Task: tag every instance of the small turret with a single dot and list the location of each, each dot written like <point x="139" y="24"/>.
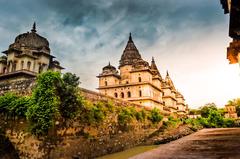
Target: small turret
<point x="109" y="69"/>
<point x="34" y="28"/>
<point x="154" y="68"/>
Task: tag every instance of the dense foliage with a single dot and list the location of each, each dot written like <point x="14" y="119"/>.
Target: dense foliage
<point x="205" y="110"/>
<point x="44" y="103"/>
<point x="155" y="115"/>
<point x="70" y="100"/>
<point x="211" y="118"/>
<point x="13" y="105"/>
<point x="56" y="97"/>
<point x="125" y="116"/>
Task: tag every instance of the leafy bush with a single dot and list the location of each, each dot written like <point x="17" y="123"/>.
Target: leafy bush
<point x="228" y="123"/>
<point x="141" y="115"/>
<point x="44" y="103"/>
<point x="13" y="105"/>
<point x="155" y="116"/>
<point x="92" y="114"/>
<point x="5" y="101"/>
<point x="125" y="116"/>
<point x="19" y="106"/>
<point x="215" y="119"/>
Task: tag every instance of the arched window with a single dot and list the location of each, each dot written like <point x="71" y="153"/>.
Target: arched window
<point x="127" y="82"/>
<point x="40" y="68"/>
<point x="14" y="65"/>
<point x="106" y="83"/>
<point x="8" y="66"/>
<point x="29" y="65"/>
<point x="140" y="93"/>
<point x="4" y="70"/>
<point x="116" y="95"/>
<point x="22" y="64"/>
<point x="129" y="94"/>
<point x="139" y="79"/>
<point x="122" y="95"/>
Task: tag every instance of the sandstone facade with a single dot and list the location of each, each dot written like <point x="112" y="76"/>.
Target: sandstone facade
<point x="140" y="83"/>
<point x="26" y="57"/>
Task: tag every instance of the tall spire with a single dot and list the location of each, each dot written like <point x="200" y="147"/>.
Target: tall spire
<point x="34" y="28"/>
<point x="167" y="73"/>
<point x="154" y="68"/>
<point x="130" y="37"/>
<point x="153" y="61"/>
<point x="130" y="54"/>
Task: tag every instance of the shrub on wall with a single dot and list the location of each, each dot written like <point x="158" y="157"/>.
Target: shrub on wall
<point x="13" y="105"/>
<point x="141" y="115"/>
<point x="125" y="116"/>
<point x="44" y="103"/>
<point x="155" y="116"/>
<point x="5" y="102"/>
<point x="93" y="113"/>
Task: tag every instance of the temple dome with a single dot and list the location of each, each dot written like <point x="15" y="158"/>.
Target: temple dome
<point x="131" y="54"/>
<point x="109" y="69"/>
<point x="30" y="40"/>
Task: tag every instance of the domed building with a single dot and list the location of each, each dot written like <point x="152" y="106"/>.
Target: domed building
<point x="26" y="57"/>
<point x="140" y="83"/>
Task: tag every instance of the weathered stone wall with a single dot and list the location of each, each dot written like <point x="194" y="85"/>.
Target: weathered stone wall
<point x="74" y="139"/>
<point x="94" y="96"/>
<point x="23" y="87"/>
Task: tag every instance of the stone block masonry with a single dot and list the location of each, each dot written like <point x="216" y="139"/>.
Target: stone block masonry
<point x="73" y="139"/>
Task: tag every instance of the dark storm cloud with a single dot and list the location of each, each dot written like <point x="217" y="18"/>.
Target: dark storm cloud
<point x="142" y="17"/>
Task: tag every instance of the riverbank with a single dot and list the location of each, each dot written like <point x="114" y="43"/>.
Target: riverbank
<point x="164" y="135"/>
<point x="208" y="143"/>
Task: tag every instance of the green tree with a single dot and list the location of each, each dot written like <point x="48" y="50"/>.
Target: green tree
<point x="44" y="103"/>
<point x="205" y="110"/>
<point x="71" y="101"/>
<point x="215" y="119"/>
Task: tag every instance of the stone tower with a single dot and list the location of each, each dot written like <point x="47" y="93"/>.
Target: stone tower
<point x="137" y="81"/>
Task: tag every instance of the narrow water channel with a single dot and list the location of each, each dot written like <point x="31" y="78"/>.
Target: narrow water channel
<point x="129" y="153"/>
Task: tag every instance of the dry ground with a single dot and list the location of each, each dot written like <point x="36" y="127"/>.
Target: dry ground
<point x="222" y="143"/>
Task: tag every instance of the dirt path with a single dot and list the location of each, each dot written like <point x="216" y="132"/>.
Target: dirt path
<point x="207" y="144"/>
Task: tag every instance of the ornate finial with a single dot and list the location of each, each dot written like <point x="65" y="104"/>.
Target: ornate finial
<point x="167" y="73"/>
<point x="109" y="64"/>
<point x="34" y="28"/>
<point x="153" y="59"/>
<point x="130" y="37"/>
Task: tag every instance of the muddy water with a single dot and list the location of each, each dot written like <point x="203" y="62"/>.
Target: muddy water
<point x="129" y="153"/>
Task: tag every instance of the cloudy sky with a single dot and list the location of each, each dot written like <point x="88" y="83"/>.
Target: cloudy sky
<point x="187" y="37"/>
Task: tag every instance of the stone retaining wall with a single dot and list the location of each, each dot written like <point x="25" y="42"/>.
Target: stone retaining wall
<point x="72" y="139"/>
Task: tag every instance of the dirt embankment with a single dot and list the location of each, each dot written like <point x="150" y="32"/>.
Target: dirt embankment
<point x="165" y="135"/>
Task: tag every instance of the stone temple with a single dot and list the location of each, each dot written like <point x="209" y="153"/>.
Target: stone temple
<point x="141" y="83"/>
<point x="26" y="57"/>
